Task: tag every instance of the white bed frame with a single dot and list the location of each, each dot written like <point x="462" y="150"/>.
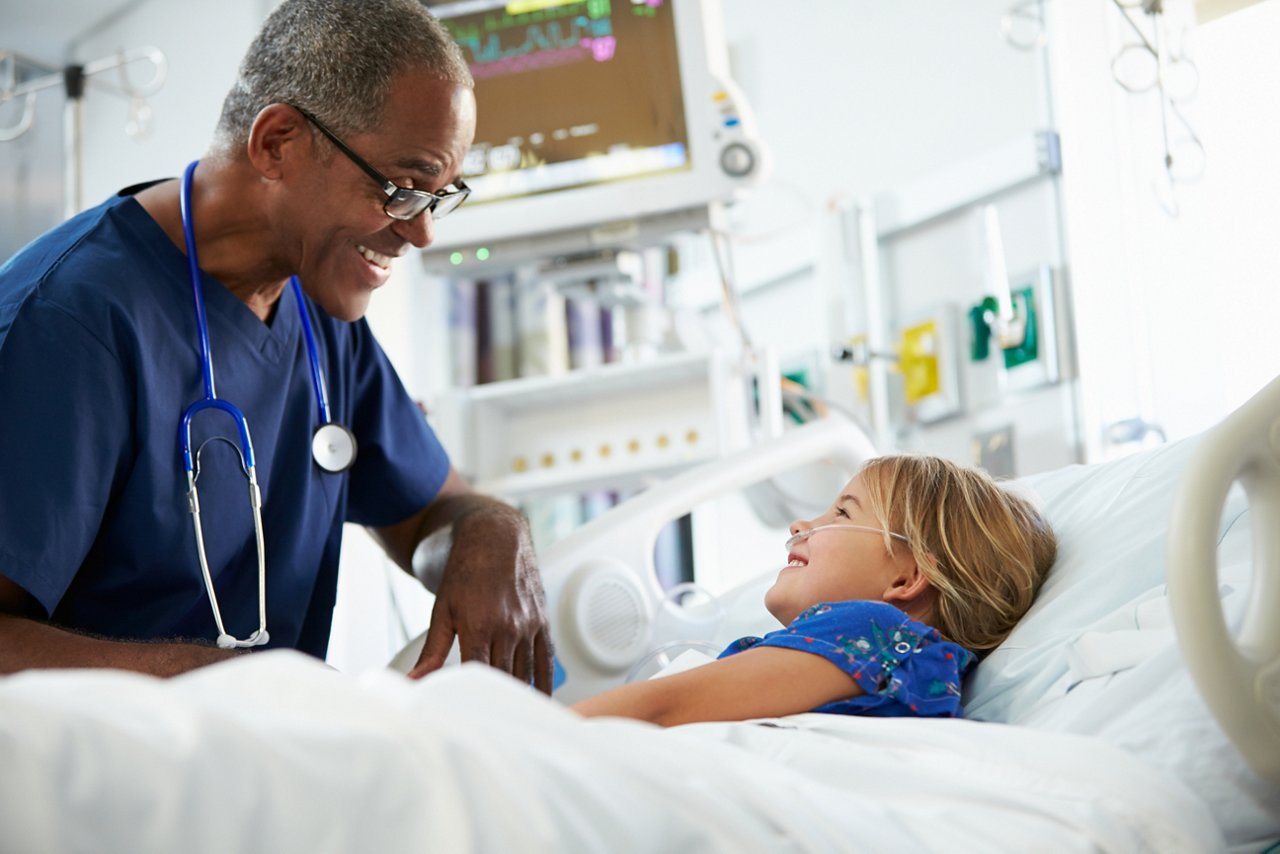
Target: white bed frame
<point x="1239" y="677"/>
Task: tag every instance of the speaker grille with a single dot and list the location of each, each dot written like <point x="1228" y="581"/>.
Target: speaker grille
<point x="616" y="618"/>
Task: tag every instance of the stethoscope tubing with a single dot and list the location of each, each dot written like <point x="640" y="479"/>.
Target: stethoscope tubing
<point x="317" y="378"/>
<point x="211" y="401"/>
<point x="193" y="267"/>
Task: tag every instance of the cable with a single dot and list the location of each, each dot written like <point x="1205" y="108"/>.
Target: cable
<point x="729" y="298"/>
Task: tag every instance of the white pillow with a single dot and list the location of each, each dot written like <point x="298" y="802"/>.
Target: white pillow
<point x="1111" y="520"/>
<point x="1128" y="686"/>
<point x="1096" y="654"/>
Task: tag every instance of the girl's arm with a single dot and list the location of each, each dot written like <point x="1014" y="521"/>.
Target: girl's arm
<point x="764" y="682"/>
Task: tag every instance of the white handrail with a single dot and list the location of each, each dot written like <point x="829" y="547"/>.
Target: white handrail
<point x="1239" y="677"/>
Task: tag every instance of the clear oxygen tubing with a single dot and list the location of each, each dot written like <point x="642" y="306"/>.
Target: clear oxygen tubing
<point x="801" y="536"/>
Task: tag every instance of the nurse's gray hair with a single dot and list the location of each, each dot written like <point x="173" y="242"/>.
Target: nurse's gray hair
<point x="336" y="59"/>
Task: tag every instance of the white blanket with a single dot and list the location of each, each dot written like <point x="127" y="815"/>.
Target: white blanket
<point x="275" y="753"/>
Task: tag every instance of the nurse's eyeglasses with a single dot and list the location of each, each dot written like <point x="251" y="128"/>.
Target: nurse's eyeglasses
<point x="402" y="203"/>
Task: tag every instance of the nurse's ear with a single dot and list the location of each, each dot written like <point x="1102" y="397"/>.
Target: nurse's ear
<point x="279" y="132"/>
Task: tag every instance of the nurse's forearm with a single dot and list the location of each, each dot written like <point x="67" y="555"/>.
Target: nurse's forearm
<point x="434" y="523"/>
<point x="26" y="644"/>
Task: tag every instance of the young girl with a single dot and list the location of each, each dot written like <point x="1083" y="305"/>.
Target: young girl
<point x="919" y="565"/>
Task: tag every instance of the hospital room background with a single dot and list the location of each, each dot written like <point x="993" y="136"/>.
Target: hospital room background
<point x="1019" y="234"/>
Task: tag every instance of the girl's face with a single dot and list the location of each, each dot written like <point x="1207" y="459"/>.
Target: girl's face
<point x="838" y="564"/>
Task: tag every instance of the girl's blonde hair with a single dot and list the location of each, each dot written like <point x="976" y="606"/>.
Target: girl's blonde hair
<point x="984" y="550"/>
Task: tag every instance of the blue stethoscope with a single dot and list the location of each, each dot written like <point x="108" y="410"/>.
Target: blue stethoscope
<point x="332" y="445"/>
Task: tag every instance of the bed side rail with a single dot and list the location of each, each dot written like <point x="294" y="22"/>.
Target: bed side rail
<point x="1238" y="677"/>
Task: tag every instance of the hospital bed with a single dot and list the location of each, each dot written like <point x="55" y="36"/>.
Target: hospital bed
<point x="1134" y="708"/>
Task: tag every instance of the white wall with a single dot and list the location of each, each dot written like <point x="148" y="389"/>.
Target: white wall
<point x="858" y="96"/>
<point x="30" y="174"/>
<point x="1175" y="316"/>
<point x="1213" y="291"/>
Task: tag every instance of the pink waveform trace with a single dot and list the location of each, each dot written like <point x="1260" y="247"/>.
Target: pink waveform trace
<point x="529" y="62"/>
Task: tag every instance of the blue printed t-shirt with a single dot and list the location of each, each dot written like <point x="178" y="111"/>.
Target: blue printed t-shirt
<point x="99" y="358"/>
<point x="905" y="667"/>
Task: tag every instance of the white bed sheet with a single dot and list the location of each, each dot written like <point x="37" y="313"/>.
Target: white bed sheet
<point x="274" y="752"/>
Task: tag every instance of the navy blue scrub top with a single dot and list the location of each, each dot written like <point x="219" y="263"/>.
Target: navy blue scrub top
<point x="99" y="357"/>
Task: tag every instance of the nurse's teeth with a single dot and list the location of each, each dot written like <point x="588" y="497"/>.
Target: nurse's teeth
<point x="372" y="257"/>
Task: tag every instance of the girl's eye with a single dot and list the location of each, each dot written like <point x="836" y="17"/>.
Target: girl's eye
<point x="841" y="512"/>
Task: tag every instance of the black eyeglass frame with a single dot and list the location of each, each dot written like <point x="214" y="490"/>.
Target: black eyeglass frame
<point x="409" y="204"/>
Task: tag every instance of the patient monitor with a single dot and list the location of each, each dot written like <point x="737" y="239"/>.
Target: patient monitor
<point x="600" y="125"/>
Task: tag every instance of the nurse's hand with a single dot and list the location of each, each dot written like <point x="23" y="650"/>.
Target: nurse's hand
<point x="490" y="597"/>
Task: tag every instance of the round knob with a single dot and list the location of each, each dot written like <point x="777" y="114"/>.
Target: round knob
<point x="737" y="159"/>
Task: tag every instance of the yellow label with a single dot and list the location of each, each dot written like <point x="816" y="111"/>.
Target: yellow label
<point x="919" y="361"/>
<point x="861" y="376"/>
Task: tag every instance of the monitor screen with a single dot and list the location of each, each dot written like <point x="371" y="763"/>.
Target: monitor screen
<point x="619" y="113"/>
<point x="596" y="119"/>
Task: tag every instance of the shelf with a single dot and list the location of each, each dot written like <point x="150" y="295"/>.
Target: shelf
<point x="618" y="426"/>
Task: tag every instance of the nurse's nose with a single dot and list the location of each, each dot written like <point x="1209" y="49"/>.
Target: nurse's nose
<point x="419" y="231"/>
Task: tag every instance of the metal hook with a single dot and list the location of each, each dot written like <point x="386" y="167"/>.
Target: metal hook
<point x="1189" y="142"/>
<point x="120" y="61"/>
<point x="9" y="91"/>
<point x="1150" y="79"/>
<point x="138" y="124"/>
<point x="139" y="114"/>
<point x="1157" y="48"/>
<point x="160" y="70"/>
<point x="11" y="77"/>
<point x="1023" y="13"/>
<point x="24" y="123"/>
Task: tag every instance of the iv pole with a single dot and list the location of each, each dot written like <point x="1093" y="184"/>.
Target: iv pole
<point x="73" y="79"/>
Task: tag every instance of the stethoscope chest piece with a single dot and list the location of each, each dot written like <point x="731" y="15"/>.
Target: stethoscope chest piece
<point x="333" y="447"/>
